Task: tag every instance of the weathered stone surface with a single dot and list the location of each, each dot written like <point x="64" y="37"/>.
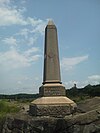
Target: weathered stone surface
<point x="89" y="104"/>
<point x="81" y="123"/>
<point x="50" y="110"/>
<point x="52" y="106"/>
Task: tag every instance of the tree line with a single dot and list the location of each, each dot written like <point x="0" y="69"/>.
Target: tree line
<point x="89" y="90"/>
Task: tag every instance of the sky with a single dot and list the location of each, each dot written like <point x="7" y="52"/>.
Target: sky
<point x="22" y="26"/>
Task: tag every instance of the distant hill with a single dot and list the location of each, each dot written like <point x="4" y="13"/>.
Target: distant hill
<point x="89" y="90"/>
<point x="19" y="96"/>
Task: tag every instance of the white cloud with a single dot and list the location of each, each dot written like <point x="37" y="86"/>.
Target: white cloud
<point x="28" y="37"/>
<point x="10" y="41"/>
<point x="32" y="50"/>
<point x="9" y="16"/>
<point x="34" y="22"/>
<point x="69" y="63"/>
<point x="70" y="84"/>
<point x="34" y="58"/>
<point x="3" y="2"/>
<point x="37" y="78"/>
<point x="94" y="79"/>
<point x="12" y="15"/>
<point x="23" y="79"/>
<point x="79" y="84"/>
<point x="32" y="40"/>
<point x="24" y="32"/>
<point x="19" y="82"/>
<point x="38" y="25"/>
<point x="13" y="59"/>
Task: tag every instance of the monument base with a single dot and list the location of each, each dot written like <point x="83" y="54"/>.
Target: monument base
<point x="52" y="89"/>
<point x="52" y="106"/>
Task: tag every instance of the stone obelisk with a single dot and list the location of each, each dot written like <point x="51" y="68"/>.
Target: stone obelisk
<point x="53" y="100"/>
<point x="52" y="85"/>
<point x="51" y="55"/>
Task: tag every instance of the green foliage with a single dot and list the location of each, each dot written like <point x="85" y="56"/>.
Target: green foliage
<point x="19" y="96"/>
<point x="92" y="90"/>
<point x="79" y="94"/>
<point x="6" y="107"/>
<point x="88" y="90"/>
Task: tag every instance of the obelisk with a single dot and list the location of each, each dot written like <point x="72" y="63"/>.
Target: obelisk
<point x="53" y="100"/>
<point x="52" y="85"/>
<point x="51" y="55"/>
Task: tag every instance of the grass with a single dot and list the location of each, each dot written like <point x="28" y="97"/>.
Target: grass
<point x="6" y="107"/>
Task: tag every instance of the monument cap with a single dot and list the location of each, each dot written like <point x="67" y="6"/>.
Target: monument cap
<point x="50" y="22"/>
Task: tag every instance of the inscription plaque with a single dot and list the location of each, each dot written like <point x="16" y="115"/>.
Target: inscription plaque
<point x="52" y="91"/>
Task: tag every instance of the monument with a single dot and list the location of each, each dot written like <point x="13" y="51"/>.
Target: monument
<point x="53" y="100"/>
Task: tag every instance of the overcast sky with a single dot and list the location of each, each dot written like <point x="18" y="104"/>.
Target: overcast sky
<point x="22" y="24"/>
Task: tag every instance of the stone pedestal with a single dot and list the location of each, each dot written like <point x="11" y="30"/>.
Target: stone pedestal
<point x="52" y="101"/>
<point x="52" y="106"/>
